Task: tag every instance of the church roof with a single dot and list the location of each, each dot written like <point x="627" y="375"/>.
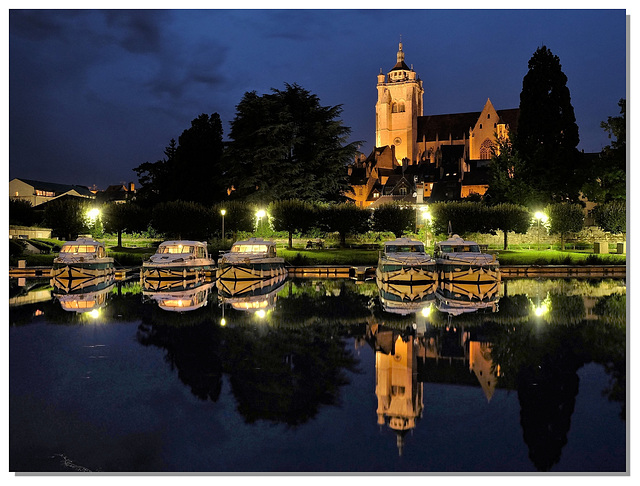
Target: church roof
<point x="400" y="66"/>
<point x="457" y="125"/>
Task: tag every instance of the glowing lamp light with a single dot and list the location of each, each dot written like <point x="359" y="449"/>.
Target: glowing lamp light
<point x="426" y="311"/>
<point x="540" y="216"/>
<point x="95" y="313"/>
<point x="261" y="214"/>
<point x="261" y="313"/>
<point x="223" y="322"/>
<point x="223" y="211"/>
<point x="93" y="214"/>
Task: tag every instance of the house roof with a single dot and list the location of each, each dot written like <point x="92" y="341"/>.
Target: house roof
<point x="477" y="177"/>
<point x="57" y="188"/>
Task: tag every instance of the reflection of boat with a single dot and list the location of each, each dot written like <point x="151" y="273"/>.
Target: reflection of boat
<point x="83" y="299"/>
<point x="405" y="299"/>
<point x="83" y="259"/>
<point x="252" y="259"/>
<point x="251" y="295"/>
<point x="462" y="261"/>
<point x="193" y="296"/>
<point x="179" y="261"/>
<point x="456" y="298"/>
<point x="404" y="261"/>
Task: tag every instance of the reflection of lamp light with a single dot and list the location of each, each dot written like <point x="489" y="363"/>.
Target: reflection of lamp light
<point x="223" y="322"/>
<point x="95" y="313"/>
<point x="261" y="313"/>
<point x="426" y="311"/>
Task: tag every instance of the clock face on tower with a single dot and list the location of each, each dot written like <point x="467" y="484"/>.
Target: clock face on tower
<point x="397" y="141"/>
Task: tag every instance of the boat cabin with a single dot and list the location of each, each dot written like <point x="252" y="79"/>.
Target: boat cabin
<point x="455" y="244"/>
<point x="254" y="246"/>
<point x="403" y="245"/>
<point x="195" y="248"/>
<point x="83" y="247"/>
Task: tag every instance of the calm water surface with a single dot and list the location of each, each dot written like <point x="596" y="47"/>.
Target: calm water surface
<point x="319" y="376"/>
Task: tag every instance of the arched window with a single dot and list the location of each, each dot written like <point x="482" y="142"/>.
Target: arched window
<point x="394" y="108"/>
<point x="486" y="149"/>
<point x="401" y="107"/>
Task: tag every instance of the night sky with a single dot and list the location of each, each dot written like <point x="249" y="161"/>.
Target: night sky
<point x="93" y="94"/>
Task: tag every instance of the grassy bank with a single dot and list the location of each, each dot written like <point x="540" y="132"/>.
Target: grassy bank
<point x="135" y="255"/>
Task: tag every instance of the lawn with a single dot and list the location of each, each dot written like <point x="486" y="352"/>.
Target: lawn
<point x="135" y="255"/>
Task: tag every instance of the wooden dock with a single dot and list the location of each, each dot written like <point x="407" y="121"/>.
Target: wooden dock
<point x="361" y="273"/>
<point x="563" y="271"/>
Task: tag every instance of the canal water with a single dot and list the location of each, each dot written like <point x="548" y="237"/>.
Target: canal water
<point x="319" y="376"/>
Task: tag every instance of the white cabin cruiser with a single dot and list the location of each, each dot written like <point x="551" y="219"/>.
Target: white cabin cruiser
<point x="404" y="261"/>
<point x="252" y="259"/>
<point x="82" y="259"/>
<point x="460" y="260"/>
<point x="183" y="260"/>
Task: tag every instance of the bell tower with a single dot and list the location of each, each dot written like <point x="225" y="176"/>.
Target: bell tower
<point x="400" y="95"/>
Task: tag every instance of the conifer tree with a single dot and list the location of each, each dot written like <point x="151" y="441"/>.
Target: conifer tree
<point x="547" y="135"/>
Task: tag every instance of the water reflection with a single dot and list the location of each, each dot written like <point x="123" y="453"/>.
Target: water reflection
<point x="83" y="294"/>
<point x="530" y="337"/>
<point x="253" y="295"/>
<point x="177" y="298"/>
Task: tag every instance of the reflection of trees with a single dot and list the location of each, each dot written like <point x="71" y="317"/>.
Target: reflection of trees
<point x="194" y="350"/>
<point x="547" y="389"/>
<point x="284" y="375"/>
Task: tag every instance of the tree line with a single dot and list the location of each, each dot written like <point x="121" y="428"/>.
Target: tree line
<point x="191" y="220"/>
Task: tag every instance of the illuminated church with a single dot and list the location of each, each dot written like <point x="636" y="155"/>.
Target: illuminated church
<point x="418" y="158"/>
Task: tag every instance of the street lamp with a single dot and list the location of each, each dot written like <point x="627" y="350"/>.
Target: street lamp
<point x="426" y="216"/>
<point x="260" y="214"/>
<point x="223" y="212"/>
<point x="540" y="216"/>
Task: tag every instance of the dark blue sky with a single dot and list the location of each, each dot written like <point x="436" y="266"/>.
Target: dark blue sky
<point x="93" y="94"/>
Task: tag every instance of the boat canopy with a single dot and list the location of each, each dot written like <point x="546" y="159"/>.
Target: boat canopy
<point x="403" y="245"/>
<point x="254" y="245"/>
<point x="182" y="247"/>
<point x="455" y="244"/>
<point x="84" y="245"/>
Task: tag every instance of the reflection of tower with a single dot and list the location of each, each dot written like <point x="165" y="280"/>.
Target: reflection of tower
<point x="399" y="393"/>
<point x="399" y="105"/>
<point x="480" y="363"/>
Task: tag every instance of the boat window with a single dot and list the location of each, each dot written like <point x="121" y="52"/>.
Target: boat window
<point x="446" y="249"/>
<point x="175" y="249"/>
<point x="249" y="249"/>
<point x="467" y="249"/>
<point x="200" y="252"/>
<point x="405" y="248"/>
<point x="78" y="249"/>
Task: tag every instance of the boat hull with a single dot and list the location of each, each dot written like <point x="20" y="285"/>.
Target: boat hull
<point x="80" y="275"/>
<point x="468" y="273"/>
<point x="406" y="274"/>
<point x="188" y="273"/>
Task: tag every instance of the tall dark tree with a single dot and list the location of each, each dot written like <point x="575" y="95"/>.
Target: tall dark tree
<point x="192" y="171"/>
<point x="607" y="174"/>
<point x="197" y="168"/>
<point x="547" y="135"/>
<point x="286" y="145"/>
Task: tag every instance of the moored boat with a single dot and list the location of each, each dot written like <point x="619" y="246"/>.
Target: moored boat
<point x="252" y="259"/>
<point x="84" y="259"/>
<point x="83" y="299"/>
<point x="179" y="260"/>
<point x="403" y="261"/>
<point x="460" y="260"/>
